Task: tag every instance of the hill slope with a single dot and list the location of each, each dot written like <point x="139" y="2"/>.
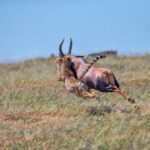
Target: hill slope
<point x="36" y="112"/>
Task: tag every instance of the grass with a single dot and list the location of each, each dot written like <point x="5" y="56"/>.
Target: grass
<point x="36" y="112"/>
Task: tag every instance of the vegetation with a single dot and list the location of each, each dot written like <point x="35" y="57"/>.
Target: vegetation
<point x="36" y="112"/>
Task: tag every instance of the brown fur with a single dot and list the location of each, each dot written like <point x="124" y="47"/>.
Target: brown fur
<point x="101" y="79"/>
<point x="74" y="86"/>
<point x="103" y="74"/>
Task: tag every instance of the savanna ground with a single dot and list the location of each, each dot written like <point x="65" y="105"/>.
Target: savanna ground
<point x="36" y="112"/>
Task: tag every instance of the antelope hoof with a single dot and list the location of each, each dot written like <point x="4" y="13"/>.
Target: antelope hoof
<point x="132" y="100"/>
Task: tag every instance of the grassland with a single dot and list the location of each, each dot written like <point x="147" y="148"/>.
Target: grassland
<point x="36" y="112"/>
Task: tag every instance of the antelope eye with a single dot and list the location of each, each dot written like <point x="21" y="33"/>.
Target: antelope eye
<point x="69" y="59"/>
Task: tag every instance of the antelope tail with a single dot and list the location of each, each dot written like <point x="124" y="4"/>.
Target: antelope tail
<point x="89" y="66"/>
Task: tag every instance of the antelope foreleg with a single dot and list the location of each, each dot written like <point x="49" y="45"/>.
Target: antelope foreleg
<point x="86" y="95"/>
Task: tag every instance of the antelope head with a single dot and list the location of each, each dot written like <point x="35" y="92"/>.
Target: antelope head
<point x="59" y="59"/>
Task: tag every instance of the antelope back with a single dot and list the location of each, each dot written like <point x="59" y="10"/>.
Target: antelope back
<point x="90" y="65"/>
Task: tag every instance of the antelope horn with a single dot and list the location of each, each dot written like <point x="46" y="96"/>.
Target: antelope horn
<point x="70" y="47"/>
<point x="61" y="54"/>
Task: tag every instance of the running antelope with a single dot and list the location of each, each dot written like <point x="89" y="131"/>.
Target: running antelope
<point x="73" y="85"/>
<point x="101" y="79"/>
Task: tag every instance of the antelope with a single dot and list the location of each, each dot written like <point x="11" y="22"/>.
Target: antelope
<point x="100" y="79"/>
<point x="73" y="85"/>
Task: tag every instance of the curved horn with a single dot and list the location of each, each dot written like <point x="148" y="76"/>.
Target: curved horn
<point x="70" y="47"/>
<point x="61" y="54"/>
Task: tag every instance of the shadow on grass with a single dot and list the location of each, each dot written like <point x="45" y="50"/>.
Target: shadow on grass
<point x="103" y="109"/>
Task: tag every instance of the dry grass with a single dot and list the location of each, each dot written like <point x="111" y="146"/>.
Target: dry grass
<point x="36" y="112"/>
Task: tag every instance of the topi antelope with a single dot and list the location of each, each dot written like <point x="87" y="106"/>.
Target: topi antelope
<point x="101" y="79"/>
<point x="73" y="85"/>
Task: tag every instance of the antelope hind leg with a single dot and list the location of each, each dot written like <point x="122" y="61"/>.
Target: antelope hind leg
<point x="132" y="101"/>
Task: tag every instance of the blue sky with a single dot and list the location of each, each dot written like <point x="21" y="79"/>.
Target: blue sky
<point x="33" y="28"/>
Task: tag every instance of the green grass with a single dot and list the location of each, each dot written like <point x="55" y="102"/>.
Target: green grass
<point x="36" y="111"/>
